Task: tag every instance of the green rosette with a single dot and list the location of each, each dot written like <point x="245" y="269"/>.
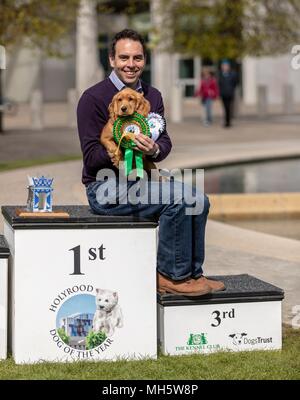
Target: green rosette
<point x="123" y="129"/>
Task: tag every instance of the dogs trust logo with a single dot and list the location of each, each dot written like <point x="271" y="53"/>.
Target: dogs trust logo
<point x="237" y="338"/>
<point x="85" y="323"/>
<point x="242" y="338"/>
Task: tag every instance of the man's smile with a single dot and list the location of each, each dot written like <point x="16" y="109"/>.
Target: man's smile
<point x="130" y="73"/>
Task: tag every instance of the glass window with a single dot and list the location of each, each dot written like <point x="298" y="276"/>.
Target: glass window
<point x="103" y="43"/>
<point x="189" y="90"/>
<point x="186" y="68"/>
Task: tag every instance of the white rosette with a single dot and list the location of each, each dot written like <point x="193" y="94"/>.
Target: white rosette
<point x="156" y="124"/>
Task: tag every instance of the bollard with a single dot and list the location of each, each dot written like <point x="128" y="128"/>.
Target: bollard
<point x="236" y="103"/>
<point x="288" y="99"/>
<point x="262" y="104"/>
<point x="36" y="110"/>
<point x="176" y="102"/>
<point x="72" y="102"/>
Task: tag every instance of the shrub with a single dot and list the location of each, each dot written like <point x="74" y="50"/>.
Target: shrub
<point x="94" y="339"/>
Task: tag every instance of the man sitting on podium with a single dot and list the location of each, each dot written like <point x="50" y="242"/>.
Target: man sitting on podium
<point x="181" y="236"/>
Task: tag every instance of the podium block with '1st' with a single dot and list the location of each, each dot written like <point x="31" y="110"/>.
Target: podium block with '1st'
<point x="83" y="287"/>
<point x="4" y="254"/>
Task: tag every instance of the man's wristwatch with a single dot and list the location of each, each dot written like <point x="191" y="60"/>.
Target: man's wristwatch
<point x="156" y="153"/>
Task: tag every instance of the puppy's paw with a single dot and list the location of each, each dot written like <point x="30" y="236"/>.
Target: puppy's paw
<point x="118" y="156"/>
<point x="111" y="150"/>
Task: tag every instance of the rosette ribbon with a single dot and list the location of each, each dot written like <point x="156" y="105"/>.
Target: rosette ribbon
<point x="124" y="130"/>
<point x="157" y="124"/>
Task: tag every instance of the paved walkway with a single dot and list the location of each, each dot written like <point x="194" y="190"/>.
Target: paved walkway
<point x="229" y="250"/>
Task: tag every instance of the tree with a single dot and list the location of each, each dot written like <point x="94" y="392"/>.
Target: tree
<point x="62" y="334"/>
<point x="42" y="23"/>
<point x="232" y="29"/>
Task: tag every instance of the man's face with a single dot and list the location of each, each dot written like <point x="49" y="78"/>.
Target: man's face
<point x="129" y="61"/>
<point x="225" y="67"/>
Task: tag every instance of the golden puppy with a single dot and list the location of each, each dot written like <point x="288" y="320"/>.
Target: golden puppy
<point x="124" y="103"/>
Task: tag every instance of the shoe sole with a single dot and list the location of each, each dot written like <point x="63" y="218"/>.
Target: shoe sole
<point x="164" y="291"/>
<point x="221" y="288"/>
<point x="218" y="290"/>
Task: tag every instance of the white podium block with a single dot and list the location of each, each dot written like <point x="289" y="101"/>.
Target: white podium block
<point x="83" y="288"/>
<point x="4" y="254"/>
<point x="246" y="316"/>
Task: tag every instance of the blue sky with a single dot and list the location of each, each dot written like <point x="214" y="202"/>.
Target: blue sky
<point x="80" y="303"/>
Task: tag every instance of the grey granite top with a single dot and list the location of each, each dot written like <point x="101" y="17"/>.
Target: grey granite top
<point x="4" y="250"/>
<point x="80" y="217"/>
<point x="239" y="288"/>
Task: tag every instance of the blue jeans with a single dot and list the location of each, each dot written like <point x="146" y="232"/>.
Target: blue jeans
<point x="181" y="237"/>
<point x="207" y="103"/>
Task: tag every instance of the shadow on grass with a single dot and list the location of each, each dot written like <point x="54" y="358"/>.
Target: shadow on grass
<point x="258" y="365"/>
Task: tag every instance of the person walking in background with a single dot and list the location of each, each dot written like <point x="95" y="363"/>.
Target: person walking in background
<point x="227" y="85"/>
<point x="208" y="91"/>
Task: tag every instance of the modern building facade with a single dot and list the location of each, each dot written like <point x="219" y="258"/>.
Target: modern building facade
<point x="86" y="62"/>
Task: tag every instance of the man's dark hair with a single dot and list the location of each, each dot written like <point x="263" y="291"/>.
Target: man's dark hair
<point x="126" y="34"/>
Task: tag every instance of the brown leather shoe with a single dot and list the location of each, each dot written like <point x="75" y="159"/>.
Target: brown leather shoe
<point x="187" y="287"/>
<point x="216" y="286"/>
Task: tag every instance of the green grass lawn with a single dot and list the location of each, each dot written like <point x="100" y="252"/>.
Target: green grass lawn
<point x="283" y="364"/>
<point x="7" y="166"/>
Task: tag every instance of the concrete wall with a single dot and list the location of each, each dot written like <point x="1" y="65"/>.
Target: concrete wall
<point x="21" y="74"/>
<point x="58" y="75"/>
<point x="272" y="72"/>
<point x="28" y="70"/>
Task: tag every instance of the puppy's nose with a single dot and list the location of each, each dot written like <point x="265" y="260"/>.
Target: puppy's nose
<point x="123" y="108"/>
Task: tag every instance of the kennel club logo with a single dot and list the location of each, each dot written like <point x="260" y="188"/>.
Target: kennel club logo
<point x="86" y="320"/>
<point x="197" y="342"/>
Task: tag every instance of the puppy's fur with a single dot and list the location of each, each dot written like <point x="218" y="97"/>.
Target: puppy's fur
<point x="124" y="103"/>
<point x="108" y="313"/>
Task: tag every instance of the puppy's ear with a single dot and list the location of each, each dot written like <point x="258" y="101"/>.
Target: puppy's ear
<point x="143" y="105"/>
<point x="112" y="109"/>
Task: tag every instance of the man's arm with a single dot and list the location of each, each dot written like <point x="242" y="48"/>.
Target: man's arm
<point x="163" y="141"/>
<point x="90" y="121"/>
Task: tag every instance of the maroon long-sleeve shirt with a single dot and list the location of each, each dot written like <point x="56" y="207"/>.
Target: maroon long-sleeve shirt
<point x="92" y="115"/>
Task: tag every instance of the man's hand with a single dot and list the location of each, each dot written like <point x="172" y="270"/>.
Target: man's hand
<point x="145" y="144"/>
